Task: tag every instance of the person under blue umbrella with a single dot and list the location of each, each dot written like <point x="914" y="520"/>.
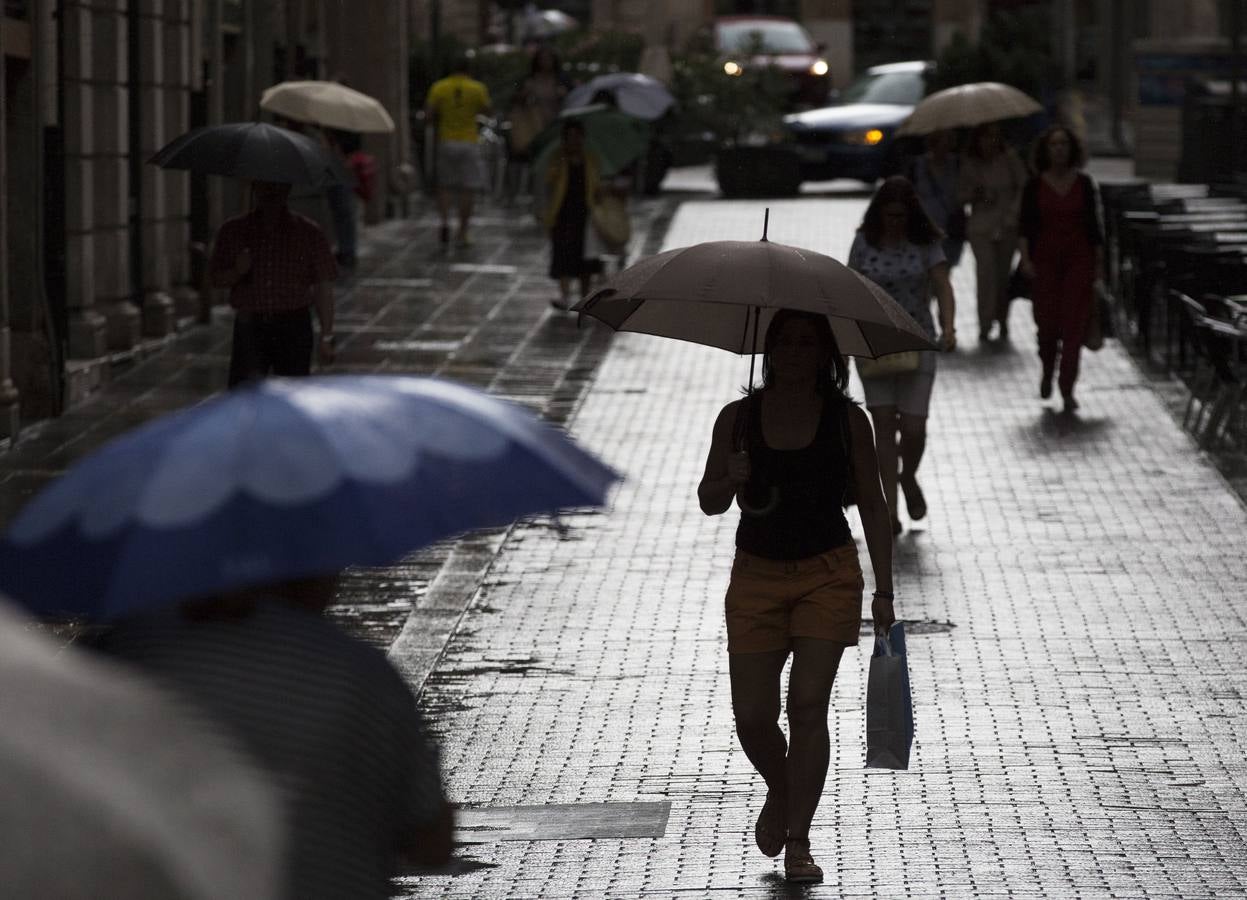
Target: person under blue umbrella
<point x="325" y="715"/>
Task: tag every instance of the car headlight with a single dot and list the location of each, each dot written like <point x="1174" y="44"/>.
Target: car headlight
<point x="731" y="67"/>
<point x="867" y="138"/>
<point x="819" y="67"/>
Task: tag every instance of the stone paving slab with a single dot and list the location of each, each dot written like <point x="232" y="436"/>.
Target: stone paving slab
<point x="479" y="315"/>
<point x="1081" y="727"/>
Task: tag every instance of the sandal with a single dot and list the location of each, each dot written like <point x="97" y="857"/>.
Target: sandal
<point x="799" y="866"/>
<point x="770" y="831"/>
<point x="914" y="501"/>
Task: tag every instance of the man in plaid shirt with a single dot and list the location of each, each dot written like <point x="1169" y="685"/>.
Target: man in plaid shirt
<point x="277" y="266"/>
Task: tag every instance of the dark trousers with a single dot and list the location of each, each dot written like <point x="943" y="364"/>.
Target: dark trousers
<point x="271" y="344"/>
<point x="1063" y="298"/>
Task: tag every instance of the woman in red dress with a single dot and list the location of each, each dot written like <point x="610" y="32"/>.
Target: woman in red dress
<point x="1062" y="245"/>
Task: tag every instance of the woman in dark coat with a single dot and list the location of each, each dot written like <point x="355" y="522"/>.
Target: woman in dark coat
<point x="1062" y="244"/>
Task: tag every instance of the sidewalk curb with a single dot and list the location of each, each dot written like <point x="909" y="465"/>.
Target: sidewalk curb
<point x="437" y="616"/>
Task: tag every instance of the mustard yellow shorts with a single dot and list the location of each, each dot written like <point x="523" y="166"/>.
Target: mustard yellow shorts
<point x="771" y="601"/>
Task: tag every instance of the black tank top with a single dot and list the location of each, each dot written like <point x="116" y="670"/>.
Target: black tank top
<point x="795" y="495"/>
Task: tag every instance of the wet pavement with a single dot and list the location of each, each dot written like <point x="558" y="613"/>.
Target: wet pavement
<point x="1077" y="655"/>
<point x="1078" y="643"/>
<point x="479" y="315"/>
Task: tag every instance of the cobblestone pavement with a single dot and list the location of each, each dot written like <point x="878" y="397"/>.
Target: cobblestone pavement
<point x="478" y="315"/>
<point x="1077" y="650"/>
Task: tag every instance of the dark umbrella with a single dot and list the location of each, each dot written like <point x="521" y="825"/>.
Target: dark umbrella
<point x="254" y="150"/>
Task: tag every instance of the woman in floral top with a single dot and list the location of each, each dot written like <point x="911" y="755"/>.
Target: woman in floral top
<point x="898" y="247"/>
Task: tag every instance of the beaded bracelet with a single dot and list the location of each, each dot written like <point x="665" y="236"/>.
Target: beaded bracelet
<point x="884" y="595"/>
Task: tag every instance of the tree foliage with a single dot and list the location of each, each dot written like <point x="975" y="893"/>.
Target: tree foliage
<point x="1015" y="48"/>
<point x="730" y="108"/>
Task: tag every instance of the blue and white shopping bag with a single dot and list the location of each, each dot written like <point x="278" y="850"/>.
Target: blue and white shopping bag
<point x="889" y="710"/>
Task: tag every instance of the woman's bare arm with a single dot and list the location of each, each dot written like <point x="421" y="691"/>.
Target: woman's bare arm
<point x="726" y="470"/>
<point x="873" y="509"/>
<point x="947" y="304"/>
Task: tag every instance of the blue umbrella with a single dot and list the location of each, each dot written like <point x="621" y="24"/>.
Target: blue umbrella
<point x="285" y="479"/>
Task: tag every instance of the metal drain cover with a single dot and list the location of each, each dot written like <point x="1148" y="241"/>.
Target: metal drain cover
<point x="913" y="627"/>
<point x="562" y="822"/>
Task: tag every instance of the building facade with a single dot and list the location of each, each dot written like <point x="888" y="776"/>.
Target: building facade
<point x="100" y="250"/>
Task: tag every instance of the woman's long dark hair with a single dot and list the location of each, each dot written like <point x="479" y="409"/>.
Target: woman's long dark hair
<point x="556" y="68"/>
<point x="833" y="375"/>
<point x="919" y="229"/>
<point x="1041" y="159"/>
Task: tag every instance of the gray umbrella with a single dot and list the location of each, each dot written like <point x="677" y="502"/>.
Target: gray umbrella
<point x="113" y="788"/>
<point x="725" y="293"/>
<point x="254" y="150"/>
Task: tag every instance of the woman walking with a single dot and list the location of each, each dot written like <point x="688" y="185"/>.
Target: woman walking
<point x="787" y="453"/>
<point x="898" y="247"/>
<point x="572" y="182"/>
<point x="1062" y="246"/>
<point x="992" y="176"/>
<point x="935" y="175"/>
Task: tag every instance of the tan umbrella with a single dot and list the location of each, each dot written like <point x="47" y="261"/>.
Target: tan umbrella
<point x="725" y="293"/>
<point x="967" y="105"/>
<point x="327" y="103"/>
<point x="114" y="788"/>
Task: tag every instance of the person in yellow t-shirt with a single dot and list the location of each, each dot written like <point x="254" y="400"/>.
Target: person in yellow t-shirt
<point x="453" y="104"/>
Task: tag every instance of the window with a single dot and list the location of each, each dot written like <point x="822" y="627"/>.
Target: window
<point x="775" y="37"/>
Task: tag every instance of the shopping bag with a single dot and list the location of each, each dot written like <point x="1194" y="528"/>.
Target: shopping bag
<point x="903" y="363"/>
<point x="612" y="222"/>
<point x="889" y="711"/>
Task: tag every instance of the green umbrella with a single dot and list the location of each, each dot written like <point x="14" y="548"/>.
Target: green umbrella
<point x="615" y="139"/>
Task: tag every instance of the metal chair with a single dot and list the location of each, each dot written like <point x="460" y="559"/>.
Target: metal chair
<point x="1215" y="385"/>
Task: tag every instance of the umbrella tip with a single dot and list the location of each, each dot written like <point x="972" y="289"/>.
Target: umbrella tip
<point x="766" y="220"/>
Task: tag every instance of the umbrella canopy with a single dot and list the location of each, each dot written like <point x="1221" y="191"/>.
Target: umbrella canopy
<point x="967" y="105"/>
<point x="616" y="139"/>
<point x="113" y="788"/>
<point x="550" y="22"/>
<point x="254" y="150"/>
<point x="285" y="479"/>
<point x="724" y="294"/>
<point x="327" y="103"/>
<point x="636" y="95"/>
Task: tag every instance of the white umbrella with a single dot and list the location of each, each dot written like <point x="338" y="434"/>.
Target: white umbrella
<point x="549" y="22"/>
<point x="111" y="789"/>
<point x="967" y="105"/>
<point x="327" y="103"/>
<point x="636" y="95"/>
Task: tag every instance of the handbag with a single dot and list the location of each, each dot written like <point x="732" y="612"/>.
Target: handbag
<point x="612" y="222"/>
<point x="889" y="707"/>
<point x="1101" y="315"/>
<point x="1019" y="284"/>
<point x="890" y="364"/>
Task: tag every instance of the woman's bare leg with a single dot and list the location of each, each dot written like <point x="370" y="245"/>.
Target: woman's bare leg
<point x="755" y="703"/>
<point x="886" y="426"/>
<point x="814" y="665"/>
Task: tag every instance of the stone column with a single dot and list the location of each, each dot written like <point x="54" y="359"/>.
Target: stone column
<point x="88" y="334"/>
<point x="830" y="22"/>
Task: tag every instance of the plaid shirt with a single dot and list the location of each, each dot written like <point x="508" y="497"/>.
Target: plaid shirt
<point x="286" y="261"/>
